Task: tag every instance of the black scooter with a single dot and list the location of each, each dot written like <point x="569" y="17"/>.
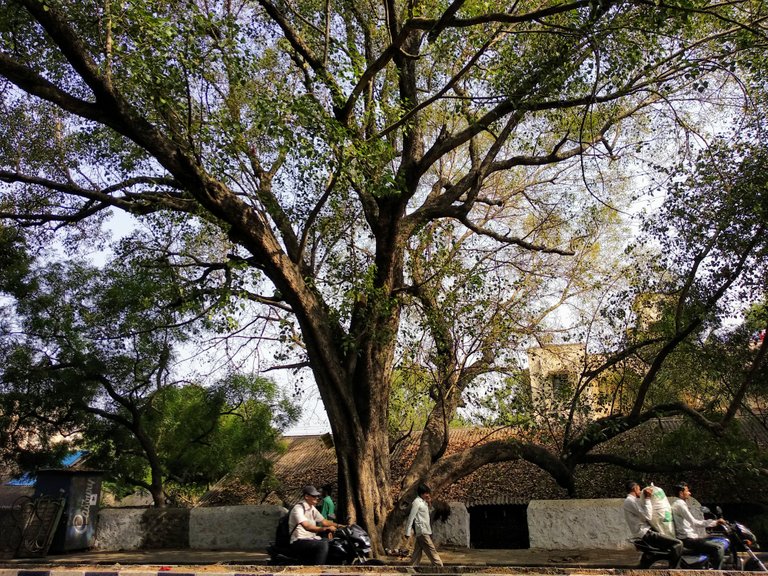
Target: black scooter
<point x="652" y="555"/>
<point x="349" y="545"/>
<point x="736" y="539"/>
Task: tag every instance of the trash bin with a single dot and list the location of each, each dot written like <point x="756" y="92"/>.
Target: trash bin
<point x="81" y="488"/>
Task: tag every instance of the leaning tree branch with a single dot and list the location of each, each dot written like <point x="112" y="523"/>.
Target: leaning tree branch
<point x="609" y="427"/>
<point x="697" y="321"/>
<point x="456" y="466"/>
<point x="302" y="48"/>
<point x="514" y="240"/>
<point x="749" y="380"/>
<point x="133" y="202"/>
<point x="638" y="466"/>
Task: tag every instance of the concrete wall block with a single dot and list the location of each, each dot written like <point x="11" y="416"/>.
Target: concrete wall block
<point x="552" y="525"/>
<point x="166" y="528"/>
<point x="234" y="527"/>
<point x="455" y="530"/>
<point x="578" y="524"/>
<point x="119" y="529"/>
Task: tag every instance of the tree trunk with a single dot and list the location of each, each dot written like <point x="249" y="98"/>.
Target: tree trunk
<point x="363" y="468"/>
<point x="157" y="492"/>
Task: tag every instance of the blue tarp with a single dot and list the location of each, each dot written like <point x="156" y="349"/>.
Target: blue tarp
<point x="29" y="479"/>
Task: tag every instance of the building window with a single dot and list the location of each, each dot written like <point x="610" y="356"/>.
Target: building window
<point x="561" y="385"/>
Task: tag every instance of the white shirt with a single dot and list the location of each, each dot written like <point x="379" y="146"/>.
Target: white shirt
<point x="303" y="511"/>
<point x="637" y="513"/>
<point x="685" y="523"/>
<point x="418" y="519"/>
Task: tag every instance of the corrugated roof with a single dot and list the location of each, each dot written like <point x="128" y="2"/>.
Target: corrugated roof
<point x="71" y="460"/>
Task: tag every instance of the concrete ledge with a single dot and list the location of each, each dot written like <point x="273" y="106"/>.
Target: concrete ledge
<point x="455" y="530"/>
<point x="552" y="525"/>
<point x="233" y="527"/>
<point x="574" y="524"/>
<point x="342" y="571"/>
<point x="348" y="571"/>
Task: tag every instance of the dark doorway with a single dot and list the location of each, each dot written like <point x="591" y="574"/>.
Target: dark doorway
<point x="499" y="526"/>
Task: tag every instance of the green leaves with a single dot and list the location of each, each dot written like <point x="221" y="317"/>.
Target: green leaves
<point x="202" y="433"/>
<point x="94" y="352"/>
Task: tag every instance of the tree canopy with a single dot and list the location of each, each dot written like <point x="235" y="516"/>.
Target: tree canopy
<point x="384" y="186"/>
<point x="88" y="361"/>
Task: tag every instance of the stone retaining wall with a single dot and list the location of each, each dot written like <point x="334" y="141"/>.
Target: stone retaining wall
<point x="578" y="524"/>
<point x="455" y="530"/>
<point x="220" y="528"/>
<point x="552" y="525"/>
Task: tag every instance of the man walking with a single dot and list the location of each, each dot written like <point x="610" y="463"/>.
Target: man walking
<point x="420" y="524"/>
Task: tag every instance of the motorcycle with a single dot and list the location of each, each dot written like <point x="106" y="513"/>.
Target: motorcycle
<point x="652" y="555"/>
<point x="734" y="537"/>
<point x="349" y="545"/>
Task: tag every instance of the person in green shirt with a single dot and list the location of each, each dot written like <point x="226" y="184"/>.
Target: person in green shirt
<point x="327" y="507"/>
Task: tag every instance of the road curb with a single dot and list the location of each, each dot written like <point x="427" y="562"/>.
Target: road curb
<point x="334" y="571"/>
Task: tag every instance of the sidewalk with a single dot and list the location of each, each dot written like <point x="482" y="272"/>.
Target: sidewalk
<point x="189" y="562"/>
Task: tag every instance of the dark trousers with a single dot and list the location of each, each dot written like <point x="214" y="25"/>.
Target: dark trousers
<point x="662" y="542"/>
<point x="714" y="550"/>
<point x="311" y="551"/>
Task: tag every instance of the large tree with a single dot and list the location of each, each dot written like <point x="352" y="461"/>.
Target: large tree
<point x="382" y="175"/>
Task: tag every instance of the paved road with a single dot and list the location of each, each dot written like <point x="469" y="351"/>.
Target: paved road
<point x="190" y="561"/>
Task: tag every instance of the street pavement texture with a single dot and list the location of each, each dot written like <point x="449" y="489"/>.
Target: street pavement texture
<point x="247" y="563"/>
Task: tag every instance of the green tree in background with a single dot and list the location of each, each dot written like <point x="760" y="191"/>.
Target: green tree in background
<point x="200" y="433"/>
<point x="90" y="355"/>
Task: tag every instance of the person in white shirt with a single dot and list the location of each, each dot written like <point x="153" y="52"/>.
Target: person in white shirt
<point x="686" y="524"/>
<point x="306" y="525"/>
<point x="419" y="523"/>
<point x="638" y="514"/>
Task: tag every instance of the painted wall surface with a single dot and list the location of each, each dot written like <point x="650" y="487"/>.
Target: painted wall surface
<point x="455" y="530"/>
<point x="119" y="529"/>
<point x="233" y="527"/>
<point x="578" y="524"/>
<point x="552" y="525"/>
<point x="221" y="528"/>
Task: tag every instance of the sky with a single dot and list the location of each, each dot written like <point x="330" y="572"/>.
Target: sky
<point x="313" y="420"/>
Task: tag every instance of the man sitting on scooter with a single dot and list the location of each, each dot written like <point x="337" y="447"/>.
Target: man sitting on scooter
<point x="638" y="514"/>
<point x="306" y="525"/>
<point x="686" y="524"/>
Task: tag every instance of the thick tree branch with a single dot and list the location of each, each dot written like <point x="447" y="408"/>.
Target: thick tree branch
<point x="456" y="466"/>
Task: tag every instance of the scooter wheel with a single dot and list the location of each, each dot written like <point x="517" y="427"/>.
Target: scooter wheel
<point x="650" y="561"/>
<point x="752" y="565"/>
<point x="647" y="561"/>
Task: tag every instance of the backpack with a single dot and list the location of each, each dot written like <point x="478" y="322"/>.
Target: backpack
<point x="282" y="534"/>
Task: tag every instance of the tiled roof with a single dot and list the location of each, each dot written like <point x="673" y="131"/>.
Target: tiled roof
<point x="312" y="460"/>
<point x="306" y="460"/>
